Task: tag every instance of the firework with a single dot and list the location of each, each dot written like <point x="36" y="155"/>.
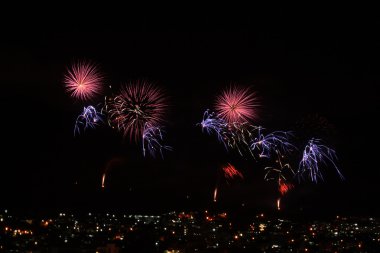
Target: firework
<point x="215" y="194"/>
<point x="274" y="173"/>
<point x="89" y="118"/>
<point x="280" y="170"/>
<point x="235" y="136"/>
<point x="230" y="172"/>
<point x="267" y="144"/>
<point x="152" y="140"/>
<point x="236" y="105"/>
<point x="211" y="123"/>
<point x="279" y="173"/>
<point x="284" y="187"/>
<point x="83" y="80"/>
<point x="316" y="154"/>
<point x="116" y="161"/>
<point x="137" y="104"/>
<point x="103" y="180"/>
<point x="239" y="136"/>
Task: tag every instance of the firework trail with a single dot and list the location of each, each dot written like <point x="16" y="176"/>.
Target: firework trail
<point x="279" y="173"/>
<point x="280" y="170"/>
<point x="314" y="155"/>
<point x="116" y="161"/>
<point x="89" y="118"/>
<point x="83" y="80"/>
<point x="275" y="141"/>
<point x="235" y="136"/>
<point x="103" y="179"/>
<point x="239" y="136"/>
<point x="230" y="172"/>
<point x="137" y="104"/>
<point x="215" y="194"/>
<point x="236" y="105"/>
<point x="284" y="187"/>
<point x="211" y="123"/>
<point x="152" y="139"/>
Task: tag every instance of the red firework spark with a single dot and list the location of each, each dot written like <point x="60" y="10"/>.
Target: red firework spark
<point x="237" y="105"/>
<point x="284" y="187"/>
<point x="137" y="104"/>
<point x="230" y="172"/>
<point x="83" y="80"/>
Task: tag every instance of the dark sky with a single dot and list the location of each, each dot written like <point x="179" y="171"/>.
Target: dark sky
<point x="303" y="66"/>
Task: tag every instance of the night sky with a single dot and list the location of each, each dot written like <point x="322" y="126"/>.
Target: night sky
<point x="304" y="67"/>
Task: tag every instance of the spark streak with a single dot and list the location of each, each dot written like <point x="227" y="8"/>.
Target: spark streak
<point x="230" y="172"/>
<point x="315" y="154"/>
<point x="234" y="136"/>
<point x="215" y="193"/>
<point x="283" y="186"/>
<point x="152" y="138"/>
<point x="103" y="180"/>
<point x="275" y="141"/>
<point x="239" y="136"/>
<point x="277" y="171"/>
<point x="89" y="118"/>
<point x="213" y="124"/>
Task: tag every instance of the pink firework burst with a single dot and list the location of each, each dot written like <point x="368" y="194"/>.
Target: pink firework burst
<point x="138" y="104"/>
<point x="83" y="80"/>
<point x="230" y="172"/>
<point x="237" y="105"/>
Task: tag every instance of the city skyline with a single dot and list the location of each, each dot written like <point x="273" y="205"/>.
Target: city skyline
<point x="176" y="231"/>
